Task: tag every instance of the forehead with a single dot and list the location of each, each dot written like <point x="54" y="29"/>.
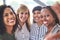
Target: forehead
<point x="22" y="10"/>
<point x="7" y="9"/>
<point x="45" y="11"/>
<point x="26" y="11"/>
<point x="36" y="11"/>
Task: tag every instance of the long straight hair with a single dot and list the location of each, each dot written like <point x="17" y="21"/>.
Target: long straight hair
<point x="23" y="8"/>
<point x="2" y="26"/>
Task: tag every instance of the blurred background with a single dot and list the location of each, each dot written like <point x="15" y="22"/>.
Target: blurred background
<point x="29" y="3"/>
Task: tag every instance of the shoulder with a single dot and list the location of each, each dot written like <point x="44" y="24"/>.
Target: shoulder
<point x="34" y="24"/>
<point x="33" y="27"/>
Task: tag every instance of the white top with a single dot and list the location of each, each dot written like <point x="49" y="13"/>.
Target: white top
<point x="22" y="34"/>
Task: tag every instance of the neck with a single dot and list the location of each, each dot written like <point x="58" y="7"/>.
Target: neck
<point x="38" y="24"/>
<point x="21" y="24"/>
<point x="50" y="27"/>
<point x="9" y="29"/>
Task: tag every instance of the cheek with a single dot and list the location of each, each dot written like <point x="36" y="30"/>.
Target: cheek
<point x="14" y="15"/>
<point x="41" y="20"/>
<point x="27" y="16"/>
<point x="15" y="18"/>
<point x="39" y="15"/>
<point x="4" y="20"/>
<point x="34" y="15"/>
<point x="51" y="20"/>
<point x="20" y="16"/>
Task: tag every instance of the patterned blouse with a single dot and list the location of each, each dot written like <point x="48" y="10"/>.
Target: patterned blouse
<point x="37" y="32"/>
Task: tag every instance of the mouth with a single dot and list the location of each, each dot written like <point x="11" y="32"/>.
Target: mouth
<point x="45" y="22"/>
<point x="37" y="18"/>
<point x="11" y="20"/>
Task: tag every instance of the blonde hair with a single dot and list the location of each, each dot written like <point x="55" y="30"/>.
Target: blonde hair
<point x="23" y="8"/>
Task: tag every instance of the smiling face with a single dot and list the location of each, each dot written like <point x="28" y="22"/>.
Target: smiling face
<point x="36" y="16"/>
<point x="9" y="17"/>
<point x="47" y="17"/>
<point x="23" y="16"/>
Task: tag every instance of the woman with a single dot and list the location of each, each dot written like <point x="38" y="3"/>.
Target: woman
<point x="8" y="23"/>
<point x="23" y="15"/>
<point x="37" y="30"/>
<point x="50" y="19"/>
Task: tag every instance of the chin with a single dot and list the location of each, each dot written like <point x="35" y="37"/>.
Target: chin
<point x="46" y="24"/>
<point x="23" y="21"/>
<point x="12" y="24"/>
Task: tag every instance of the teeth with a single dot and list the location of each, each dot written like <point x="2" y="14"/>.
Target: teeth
<point x="10" y="21"/>
<point x="44" y="22"/>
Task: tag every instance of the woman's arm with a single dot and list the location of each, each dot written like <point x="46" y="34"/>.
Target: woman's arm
<point x="57" y="35"/>
<point x="52" y="36"/>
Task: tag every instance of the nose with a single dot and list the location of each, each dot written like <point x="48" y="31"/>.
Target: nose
<point x="35" y="15"/>
<point x="11" y="16"/>
<point x="43" y="18"/>
<point x="24" y="15"/>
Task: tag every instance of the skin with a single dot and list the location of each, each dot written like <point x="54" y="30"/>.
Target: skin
<point x="23" y="16"/>
<point x="36" y="17"/>
<point x="9" y="19"/>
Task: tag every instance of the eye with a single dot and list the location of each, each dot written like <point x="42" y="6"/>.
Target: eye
<point x="6" y="14"/>
<point x="38" y="12"/>
<point x="11" y="13"/>
<point x="33" y="13"/>
<point x="47" y="15"/>
<point x="22" y="13"/>
<point x="26" y="13"/>
<point x="41" y="16"/>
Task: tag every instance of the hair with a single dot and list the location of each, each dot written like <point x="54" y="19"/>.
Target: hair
<point x="2" y="26"/>
<point x="23" y="8"/>
<point x="35" y="9"/>
<point x="53" y="14"/>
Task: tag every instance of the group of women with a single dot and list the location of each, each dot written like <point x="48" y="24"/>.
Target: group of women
<point x="16" y="26"/>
